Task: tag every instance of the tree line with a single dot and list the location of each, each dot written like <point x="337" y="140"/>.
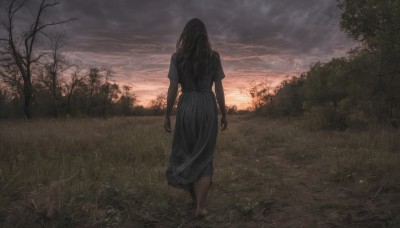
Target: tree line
<point x="353" y="91"/>
<point x="36" y="78"/>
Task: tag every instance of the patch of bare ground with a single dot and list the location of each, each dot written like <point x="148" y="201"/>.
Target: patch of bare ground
<point x="306" y="198"/>
<point x="301" y="192"/>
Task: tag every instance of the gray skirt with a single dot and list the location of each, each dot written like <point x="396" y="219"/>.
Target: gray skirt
<point x="194" y="139"/>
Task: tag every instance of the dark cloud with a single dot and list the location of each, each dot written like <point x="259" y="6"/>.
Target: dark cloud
<point x="256" y="38"/>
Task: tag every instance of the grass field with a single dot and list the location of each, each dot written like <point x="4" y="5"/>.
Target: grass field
<point x="267" y="173"/>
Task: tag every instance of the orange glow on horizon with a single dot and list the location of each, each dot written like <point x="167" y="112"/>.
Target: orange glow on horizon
<point x="236" y="90"/>
<point x="146" y="74"/>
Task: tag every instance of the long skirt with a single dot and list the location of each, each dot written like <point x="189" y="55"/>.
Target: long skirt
<point x="194" y="139"/>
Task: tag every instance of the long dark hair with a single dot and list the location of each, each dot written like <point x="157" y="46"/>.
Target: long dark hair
<point x="193" y="48"/>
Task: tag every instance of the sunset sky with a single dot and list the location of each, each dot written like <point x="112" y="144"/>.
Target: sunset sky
<point x="257" y="40"/>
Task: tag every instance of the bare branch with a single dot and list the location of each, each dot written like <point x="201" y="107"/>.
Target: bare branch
<point x="55" y="23"/>
<point x="37" y="58"/>
<point x="32" y="35"/>
<point x="36" y="27"/>
<point x="5" y="76"/>
<point x="6" y="62"/>
<point x="50" y="4"/>
<point x="19" y="6"/>
<point x="21" y="51"/>
<point x="4" y="25"/>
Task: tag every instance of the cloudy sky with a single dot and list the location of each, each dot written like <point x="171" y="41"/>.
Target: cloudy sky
<point x="257" y="39"/>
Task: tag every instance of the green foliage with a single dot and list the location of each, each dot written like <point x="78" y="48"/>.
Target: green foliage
<point x="372" y="22"/>
<point x="346" y="92"/>
<point x="325" y="83"/>
<point x="324" y="118"/>
<point x="287" y="99"/>
<point x="355" y="91"/>
<point x="375" y="24"/>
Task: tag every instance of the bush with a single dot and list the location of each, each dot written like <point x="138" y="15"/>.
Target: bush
<point x="324" y="118"/>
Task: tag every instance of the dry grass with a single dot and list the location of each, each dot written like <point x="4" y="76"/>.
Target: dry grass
<point x="272" y="172"/>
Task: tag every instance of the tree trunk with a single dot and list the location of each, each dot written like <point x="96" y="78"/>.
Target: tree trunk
<point x="69" y="97"/>
<point x="68" y="102"/>
<point x="28" y="99"/>
<point x="54" y="92"/>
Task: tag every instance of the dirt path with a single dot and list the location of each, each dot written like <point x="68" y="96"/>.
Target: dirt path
<point x="304" y="197"/>
<point x="299" y="205"/>
<point x="274" y="189"/>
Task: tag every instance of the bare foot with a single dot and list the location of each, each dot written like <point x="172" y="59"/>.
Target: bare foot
<point x="200" y="213"/>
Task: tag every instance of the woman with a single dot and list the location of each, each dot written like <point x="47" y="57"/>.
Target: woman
<point x="196" y="67"/>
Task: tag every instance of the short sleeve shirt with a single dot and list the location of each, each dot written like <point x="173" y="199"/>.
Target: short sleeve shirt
<point x="173" y="69"/>
<point x="220" y="72"/>
<point x="173" y="73"/>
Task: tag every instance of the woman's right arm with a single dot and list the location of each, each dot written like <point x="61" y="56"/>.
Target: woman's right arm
<point x="219" y="93"/>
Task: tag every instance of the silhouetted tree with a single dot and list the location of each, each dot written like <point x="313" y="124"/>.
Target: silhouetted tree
<point x="11" y="77"/>
<point x="159" y="104"/>
<point x="232" y="109"/>
<point x="55" y="69"/>
<point x="50" y="78"/>
<point x="126" y="101"/>
<point x="23" y="52"/>
<point x="78" y="76"/>
<point x="260" y="94"/>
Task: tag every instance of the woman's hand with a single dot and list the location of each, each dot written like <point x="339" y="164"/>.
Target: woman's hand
<point x="224" y="123"/>
<point x="167" y="124"/>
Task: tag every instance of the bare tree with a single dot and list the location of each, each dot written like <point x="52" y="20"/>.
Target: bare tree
<point x="126" y="101"/>
<point x="23" y="52"/>
<point x="106" y="87"/>
<point x="78" y="76"/>
<point x="12" y="79"/>
<point x="55" y="68"/>
<point x="159" y="104"/>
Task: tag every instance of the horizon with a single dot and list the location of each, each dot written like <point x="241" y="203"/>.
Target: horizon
<point x="257" y="41"/>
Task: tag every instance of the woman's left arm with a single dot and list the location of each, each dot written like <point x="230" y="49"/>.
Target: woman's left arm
<point x="172" y="93"/>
